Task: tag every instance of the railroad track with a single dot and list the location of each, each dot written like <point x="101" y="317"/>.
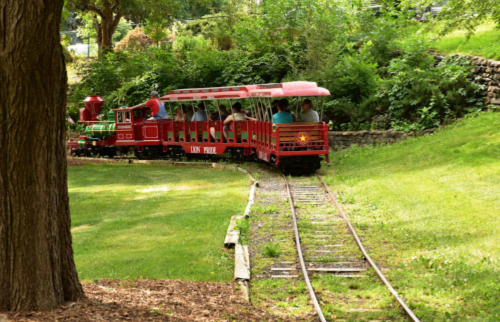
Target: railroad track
<point x="325" y="240"/>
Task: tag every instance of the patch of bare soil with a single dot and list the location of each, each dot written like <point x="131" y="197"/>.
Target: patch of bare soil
<point x="153" y="300"/>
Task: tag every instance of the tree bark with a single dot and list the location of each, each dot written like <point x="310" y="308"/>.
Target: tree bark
<point x="37" y="269"/>
<point x="105" y="23"/>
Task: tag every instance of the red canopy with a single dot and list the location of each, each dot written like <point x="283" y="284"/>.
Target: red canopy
<point x="214" y="93"/>
<point x="265" y="90"/>
<point x="289" y="89"/>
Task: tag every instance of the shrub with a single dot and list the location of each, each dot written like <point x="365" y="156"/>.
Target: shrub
<point x="135" y="39"/>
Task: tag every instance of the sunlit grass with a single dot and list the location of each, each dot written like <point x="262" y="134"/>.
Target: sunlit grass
<point x="429" y="207"/>
<point x="485" y="42"/>
<point x="154" y="221"/>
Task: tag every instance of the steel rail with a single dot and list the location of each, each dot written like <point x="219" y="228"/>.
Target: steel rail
<point x="301" y="258"/>
<point x="408" y="311"/>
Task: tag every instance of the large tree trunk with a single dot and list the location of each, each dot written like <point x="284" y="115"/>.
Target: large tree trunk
<point x="37" y="270"/>
<point x="105" y="25"/>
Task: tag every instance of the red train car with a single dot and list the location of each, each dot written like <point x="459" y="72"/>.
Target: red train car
<point x="295" y="148"/>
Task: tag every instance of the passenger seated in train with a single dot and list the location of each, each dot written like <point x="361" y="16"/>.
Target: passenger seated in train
<point x="181" y="113"/>
<point x="237" y="115"/>
<point x="259" y="113"/>
<point x="283" y="116"/>
<point x="213" y="117"/>
<point x="274" y="106"/>
<point x="222" y="113"/>
<point x="308" y="114"/>
<point x="201" y="114"/>
<point x="285" y="104"/>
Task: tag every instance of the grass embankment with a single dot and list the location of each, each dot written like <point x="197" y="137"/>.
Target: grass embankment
<point x="429" y="209"/>
<point x="154" y="221"/>
<point x="485" y="42"/>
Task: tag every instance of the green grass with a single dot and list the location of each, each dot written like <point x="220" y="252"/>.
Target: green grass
<point x="429" y="208"/>
<point x="153" y="221"/>
<point x="485" y="42"/>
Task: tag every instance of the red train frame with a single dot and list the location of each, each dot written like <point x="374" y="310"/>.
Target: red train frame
<point x="290" y="146"/>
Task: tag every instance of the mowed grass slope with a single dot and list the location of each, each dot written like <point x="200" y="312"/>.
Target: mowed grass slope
<point x="485" y="42"/>
<point x="429" y="209"/>
<point x="153" y="221"/>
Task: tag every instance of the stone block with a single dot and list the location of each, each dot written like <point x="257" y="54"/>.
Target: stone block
<point x="495" y="101"/>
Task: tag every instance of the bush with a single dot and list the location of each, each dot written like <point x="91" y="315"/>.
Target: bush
<point x="135" y="39"/>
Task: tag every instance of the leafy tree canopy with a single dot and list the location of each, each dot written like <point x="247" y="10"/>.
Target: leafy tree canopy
<point x="106" y="14"/>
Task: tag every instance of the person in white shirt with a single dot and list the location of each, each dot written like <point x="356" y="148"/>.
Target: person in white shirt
<point x="308" y="114"/>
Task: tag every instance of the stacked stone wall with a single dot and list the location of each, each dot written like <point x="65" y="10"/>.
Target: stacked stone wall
<point x="487" y="73"/>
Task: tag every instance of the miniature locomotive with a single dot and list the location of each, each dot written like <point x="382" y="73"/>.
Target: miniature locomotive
<point x="294" y="148"/>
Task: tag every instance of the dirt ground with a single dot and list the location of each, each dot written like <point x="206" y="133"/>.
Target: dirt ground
<point x="153" y="300"/>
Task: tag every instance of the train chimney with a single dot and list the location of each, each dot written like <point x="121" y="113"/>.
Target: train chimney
<point x="93" y="104"/>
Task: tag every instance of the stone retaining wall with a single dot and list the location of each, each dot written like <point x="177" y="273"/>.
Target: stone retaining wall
<point x="485" y="72"/>
<point x="342" y="140"/>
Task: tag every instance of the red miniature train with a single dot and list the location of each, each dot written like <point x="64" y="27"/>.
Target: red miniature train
<point x="295" y="148"/>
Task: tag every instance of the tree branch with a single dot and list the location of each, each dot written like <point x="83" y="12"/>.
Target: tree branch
<point x="114" y="5"/>
<point x="116" y="19"/>
<point x="93" y="8"/>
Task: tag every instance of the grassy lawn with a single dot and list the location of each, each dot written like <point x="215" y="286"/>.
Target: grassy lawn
<point x="485" y="42"/>
<point x="429" y="209"/>
<point x="154" y="221"/>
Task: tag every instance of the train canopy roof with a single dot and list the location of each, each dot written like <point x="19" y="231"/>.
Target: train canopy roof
<point x="214" y="93"/>
<point x="238" y="92"/>
<point x="289" y="89"/>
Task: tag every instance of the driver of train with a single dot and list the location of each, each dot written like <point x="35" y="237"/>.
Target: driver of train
<point x="308" y="114"/>
<point x="157" y="107"/>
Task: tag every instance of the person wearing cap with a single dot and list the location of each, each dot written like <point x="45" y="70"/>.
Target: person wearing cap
<point x="157" y="107"/>
<point x="308" y="114"/>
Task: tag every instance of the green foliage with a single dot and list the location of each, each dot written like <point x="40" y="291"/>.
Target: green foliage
<point x="468" y="15"/>
<point x="379" y="73"/>
<point x="243" y="225"/>
<point x="419" y="96"/>
<point x="271" y="250"/>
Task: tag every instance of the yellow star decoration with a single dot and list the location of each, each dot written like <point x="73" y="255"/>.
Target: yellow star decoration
<point x="302" y="138"/>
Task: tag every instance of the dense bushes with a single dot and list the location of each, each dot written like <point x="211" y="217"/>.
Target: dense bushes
<point x="379" y="77"/>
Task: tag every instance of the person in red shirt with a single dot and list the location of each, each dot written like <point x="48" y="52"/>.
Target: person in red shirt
<point x="157" y="107"/>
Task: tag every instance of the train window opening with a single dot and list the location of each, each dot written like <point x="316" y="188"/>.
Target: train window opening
<point x="127" y="116"/>
<point x="120" y="117"/>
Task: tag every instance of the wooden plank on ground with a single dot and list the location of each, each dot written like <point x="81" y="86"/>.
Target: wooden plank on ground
<point x="233" y="234"/>
<point x="241" y="270"/>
